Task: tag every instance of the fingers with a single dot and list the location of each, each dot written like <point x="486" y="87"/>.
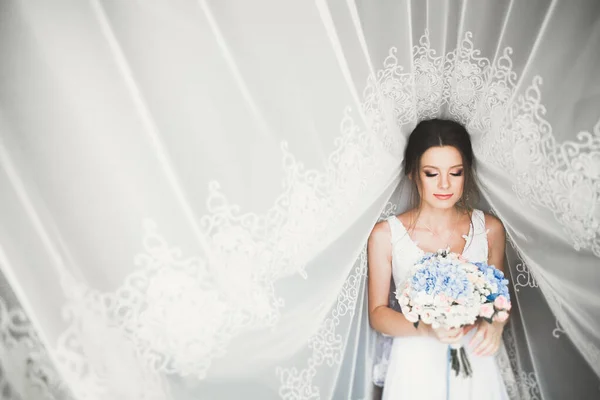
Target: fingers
<point x="490" y="351"/>
<point x="481" y="346"/>
<point x="453" y="337"/>
<point x="478" y="337"/>
<point x="468" y="328"/>
<point x="452" y="332"/>
<point x="448" y="336"/>
<point x="487" y="340"/>
<point x="489" y="348"/>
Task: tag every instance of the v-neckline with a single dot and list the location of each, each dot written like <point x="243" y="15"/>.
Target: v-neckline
<point x="416" y="246"/>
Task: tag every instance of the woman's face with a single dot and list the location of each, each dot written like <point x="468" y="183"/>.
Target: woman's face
<point x="441" y="176"/>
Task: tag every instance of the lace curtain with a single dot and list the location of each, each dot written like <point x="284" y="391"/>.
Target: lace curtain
<point x="187" y="187"/>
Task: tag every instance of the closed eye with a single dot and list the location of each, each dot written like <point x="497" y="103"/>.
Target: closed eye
<point x="457" y="173"/>
<point x="430" y="175"/>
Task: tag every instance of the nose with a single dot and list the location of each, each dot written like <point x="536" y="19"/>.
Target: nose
<point x="443" y="183"/>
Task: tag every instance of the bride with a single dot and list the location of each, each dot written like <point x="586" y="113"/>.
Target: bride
<point x="439" y="162"/>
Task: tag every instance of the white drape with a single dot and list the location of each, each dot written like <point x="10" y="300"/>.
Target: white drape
<point x="187" y="187"/>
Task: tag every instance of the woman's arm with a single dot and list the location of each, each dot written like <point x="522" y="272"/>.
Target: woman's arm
<point x="489" y="335"/>
<point x="382" y="318"/>
<point x="496" y="241"/>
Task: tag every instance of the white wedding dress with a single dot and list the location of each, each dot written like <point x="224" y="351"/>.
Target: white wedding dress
<point x="418" y="366"/>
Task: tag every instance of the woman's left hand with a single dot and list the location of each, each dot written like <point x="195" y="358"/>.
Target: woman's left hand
<point x="486" y="341"/>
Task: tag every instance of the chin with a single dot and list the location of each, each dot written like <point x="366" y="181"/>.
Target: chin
<point x="441" y="204"/>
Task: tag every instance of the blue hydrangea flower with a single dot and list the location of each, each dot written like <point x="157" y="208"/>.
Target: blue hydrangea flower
<point x="496" y="277"/>
<point x="441" y="275"/>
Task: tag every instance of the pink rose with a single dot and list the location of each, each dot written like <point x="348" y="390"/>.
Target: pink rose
<point x="486" y="310"/>
<point x="427" y="317"/>
<point x="443" y="299"/>
<point x="502" y="303"/>
<point x="501" y="316"/>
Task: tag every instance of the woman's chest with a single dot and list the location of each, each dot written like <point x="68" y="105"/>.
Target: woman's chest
<point x="406" y="254"/>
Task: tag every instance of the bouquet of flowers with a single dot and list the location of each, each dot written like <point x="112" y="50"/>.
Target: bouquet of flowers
<point x="447" y="291"/>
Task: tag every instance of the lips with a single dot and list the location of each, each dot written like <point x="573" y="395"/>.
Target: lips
<point x="443" y="196"/>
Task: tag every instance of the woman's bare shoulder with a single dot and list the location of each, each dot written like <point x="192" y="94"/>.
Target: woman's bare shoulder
<point x="493" y="223"/>
<point x="382" y="228"/>
<point x="382" y="231"/>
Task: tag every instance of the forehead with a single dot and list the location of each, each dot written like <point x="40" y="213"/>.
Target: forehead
<point x="441" y="157"/>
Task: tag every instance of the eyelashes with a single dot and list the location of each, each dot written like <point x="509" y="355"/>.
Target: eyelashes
<point x="432" y="174"/>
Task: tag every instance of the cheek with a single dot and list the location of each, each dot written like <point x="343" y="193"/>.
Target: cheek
<point x="459" y="183"/>
<point x="428" y="187"/>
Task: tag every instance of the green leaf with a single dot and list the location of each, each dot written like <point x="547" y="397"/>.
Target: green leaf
<point x="416" y="324"/>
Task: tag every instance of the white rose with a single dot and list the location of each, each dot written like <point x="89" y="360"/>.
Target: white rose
<point x="404" y="300"/>
<point x="412" y="316"/>
<point x="469" y="268"/>
<point x="501" y="316"/>
<point x="425" y="298"/>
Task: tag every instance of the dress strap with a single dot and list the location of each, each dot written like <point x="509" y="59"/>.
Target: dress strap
<point x="397" y="229"/>
<point x="480" y="231"/>
<point x="479" y="223"/>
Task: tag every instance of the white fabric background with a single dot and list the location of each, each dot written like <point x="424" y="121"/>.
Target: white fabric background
<point x="187" y="187"/>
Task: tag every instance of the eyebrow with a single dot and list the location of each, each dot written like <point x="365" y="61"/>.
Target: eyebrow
<point x="431" y="166"/>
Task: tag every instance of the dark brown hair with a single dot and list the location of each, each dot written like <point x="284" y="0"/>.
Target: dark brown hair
<point x="437" y="133"/>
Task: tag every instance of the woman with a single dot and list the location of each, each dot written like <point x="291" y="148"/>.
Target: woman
<point x="439" y="162"/>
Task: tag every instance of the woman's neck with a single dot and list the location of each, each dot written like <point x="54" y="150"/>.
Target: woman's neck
<point x="440" y="218"/>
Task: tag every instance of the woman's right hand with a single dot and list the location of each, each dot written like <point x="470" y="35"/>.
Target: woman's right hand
<point x="447" y="336"/>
